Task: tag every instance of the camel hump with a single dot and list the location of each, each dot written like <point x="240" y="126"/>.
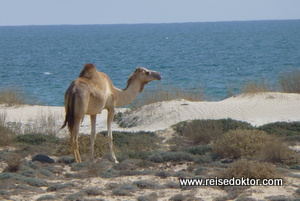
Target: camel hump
<point x="88" y="71"/>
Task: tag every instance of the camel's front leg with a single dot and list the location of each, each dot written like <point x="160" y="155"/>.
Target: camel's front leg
<point x="93" y="135"/>
<point x="110" y="117"/>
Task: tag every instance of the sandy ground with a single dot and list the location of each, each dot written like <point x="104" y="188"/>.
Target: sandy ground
<point x="256" y="109"/>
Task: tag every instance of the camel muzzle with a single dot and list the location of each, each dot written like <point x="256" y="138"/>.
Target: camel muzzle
<point x="156" y="75"/>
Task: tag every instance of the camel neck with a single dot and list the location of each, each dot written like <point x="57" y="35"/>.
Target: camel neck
<point x="126" y="96"/>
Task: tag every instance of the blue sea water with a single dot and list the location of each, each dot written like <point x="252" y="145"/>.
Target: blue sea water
<point x="43" y="60"/>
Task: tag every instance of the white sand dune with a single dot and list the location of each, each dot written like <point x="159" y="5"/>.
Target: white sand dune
<point x="257" y="109"/>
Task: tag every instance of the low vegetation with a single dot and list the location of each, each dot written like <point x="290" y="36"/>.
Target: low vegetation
<point x="289" y="131"/>
<point x="290" y="81"/>
<point x="254" y="144"/>
<point x="255" y="87"/>
<point x="251" y="169"/>
<point x="198" y="149"/>
<point x="15" y="96"/>
<point x="205" y="131"/>
<point x="12" y="96"/>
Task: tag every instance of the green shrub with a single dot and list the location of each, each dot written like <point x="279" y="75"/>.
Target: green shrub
<point x="199" y="131"/>
<point x="178" y="197"/>
<point x="240" y="143"/>
<point x="150" y="197"/>
<point x="124" y="122"/>
<point x="36" y="139"/>
<point x="79" y="166"/>
<point x="282" y="129"/>
<point x="121" y="192"/>
<point x="144" y="184"/>
<point x="243" y="198"/>
<point x="163" y="174"/>
<point x="254" y="144"/>
<point x="66" y="159"/>
<point x="136" y="141"/>
<point x="277" y="151"/>
<point x="123" y="189"/>
<point x="46" y="197"/>
<point x="162" y="156"/>
<point x="34" y="181"/>
<point x="139" y="154"/>
<point x="56" y="187"/>
<point x="252" y="169"/>
<point x="94" y="191"/>
<point x="5" y="175"/>
<point x="198" y="150"/>
<point x="205" y="131"/>
<point x="172" y="185"/>
<point x="30" y="181"/>
<point x="110" y="173"/>
<point x="75" y="196"/>
<point x="29" y="173"/>
<point x="280" y="198"/>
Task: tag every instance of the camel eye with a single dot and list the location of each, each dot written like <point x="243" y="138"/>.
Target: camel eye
<point x="147" y="72"/>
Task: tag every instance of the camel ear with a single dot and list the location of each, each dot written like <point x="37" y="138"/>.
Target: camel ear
<point x="138" y="69"/>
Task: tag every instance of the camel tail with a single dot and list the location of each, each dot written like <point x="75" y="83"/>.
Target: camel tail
<point x="69" y="118"/>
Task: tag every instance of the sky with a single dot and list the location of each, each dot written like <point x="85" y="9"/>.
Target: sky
<point x="56" y="12"/>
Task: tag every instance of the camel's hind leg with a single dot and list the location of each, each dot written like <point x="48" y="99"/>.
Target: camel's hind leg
<point x="110" y="117"/>
<point x="93" y="135"/>
<point x="74" y="141"/>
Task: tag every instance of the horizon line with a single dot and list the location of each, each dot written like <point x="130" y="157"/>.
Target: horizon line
<point x="145" y="23"/>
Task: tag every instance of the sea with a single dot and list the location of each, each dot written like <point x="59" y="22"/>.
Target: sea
<point x="212" y="56"/>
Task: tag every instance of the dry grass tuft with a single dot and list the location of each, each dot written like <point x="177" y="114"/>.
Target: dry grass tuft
<point x="290" y="82"/>
<point x="254" y="87"/>
<point x="13" y="162"/>
<point x="166" y="93"/>
<point x="45" y="123"/>
<point x="12" y="96"/>
<point x="6" y="135"/>
<point x="101" y="146"/>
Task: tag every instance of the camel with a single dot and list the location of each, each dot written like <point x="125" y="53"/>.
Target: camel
<point x="93" y="92"/>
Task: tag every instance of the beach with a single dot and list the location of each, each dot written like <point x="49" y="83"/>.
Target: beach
<point x="257" y="109"/>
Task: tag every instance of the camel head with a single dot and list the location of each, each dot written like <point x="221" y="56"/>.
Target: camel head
<point x="146" y="75"/>
<point x="143" y="75"/>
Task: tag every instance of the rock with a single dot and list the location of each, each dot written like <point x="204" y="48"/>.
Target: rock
<point x="42" y="158"/>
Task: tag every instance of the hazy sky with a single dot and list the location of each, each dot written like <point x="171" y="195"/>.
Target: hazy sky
<point x="44" y="12"/>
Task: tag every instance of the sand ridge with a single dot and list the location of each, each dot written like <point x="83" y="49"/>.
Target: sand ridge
<point x="256" y="109"/>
